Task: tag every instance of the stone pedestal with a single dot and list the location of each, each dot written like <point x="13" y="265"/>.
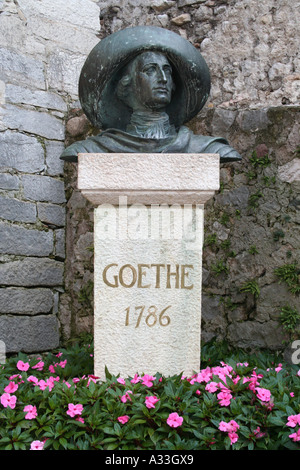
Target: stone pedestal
<point x="148" y="238"/>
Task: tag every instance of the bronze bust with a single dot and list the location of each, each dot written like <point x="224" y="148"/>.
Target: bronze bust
<point x="140" y="85"/>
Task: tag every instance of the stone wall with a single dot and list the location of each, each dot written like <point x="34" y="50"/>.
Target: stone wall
<point x="251" y="225"/>
<point x="42" y="48"/>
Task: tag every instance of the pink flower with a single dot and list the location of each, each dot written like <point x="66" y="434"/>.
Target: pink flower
<point x="42" y="384"/>
<point x="278" y="368"/>
<point x="91" y="378"/>
<point x="8" y="400"/>
<point x="204" y="375"/>
<point x="39" y="365"/>
<point x="74" y="410"/>
<point x="257" y="433"/>
<point x="31" y="412"/>
<point x="211" y="387"/>
<point x="174" y="420"/>
<point x="121" y="381"/>
<point x="295" y="436"/>
<point x="136" y="379"/>
<point x="62" y="363"/>
<point x="81" y="420"/>
<point x="33" y="379"/>
<point x="51" y="369"/>
<point x="24" y="366"/>
<point x="147" y="380"/>
<point x="232" y="426"/>
<point x="293" y="420"/>
<point x="37" y="445"/>
<point x="126" y="397"/>
<point x="150" y="401"/>
<point x="123" y="419"/>
<point x="233" y="437"/>
<point x="11" y="387"/>
<point x="263" y="394"/>
<point x="223" y="426"/>
<point x="224" y="398"/>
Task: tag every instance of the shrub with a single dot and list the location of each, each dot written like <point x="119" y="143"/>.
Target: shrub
<point x="54" y="402"/>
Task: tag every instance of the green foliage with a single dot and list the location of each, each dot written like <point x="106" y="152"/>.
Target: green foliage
<point x="259" y="162"/>
<point x="254" y="199"/>
<point x="289" y="318"/>
<point x="290" y="275"/>
<point x="56" y="381"/>
<point x="253" y="250"/>
<point x="277" y="234"/>
<point x="210" y="239"/>
<point x="251" y="287"/>
<point x="86" y="294"/>
<point x="219" y="268"/>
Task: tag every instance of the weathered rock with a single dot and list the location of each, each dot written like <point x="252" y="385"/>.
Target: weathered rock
<point x="51" y="214"/>
<point x="29" y="334"/>
<point x="43" y="188"/>
<point x="32" y="272"/>
<point x="26" y="301"/>
<point x="8" y="181"/>
<point x="181" y="19"/>
<point x="251" y="334"/>
<point x="17" y="211"/>
<point x="34" y="122"/>
<point x="22" y="241"/>
<point x="21" y="152"/>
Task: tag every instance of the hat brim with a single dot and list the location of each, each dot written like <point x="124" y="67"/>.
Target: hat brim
<point x="102" y="68"/>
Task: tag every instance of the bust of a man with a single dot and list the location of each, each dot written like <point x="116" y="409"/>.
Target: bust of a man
<point x="140" y="85"/>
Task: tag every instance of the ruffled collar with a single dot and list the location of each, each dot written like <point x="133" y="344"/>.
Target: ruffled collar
<point x="150" y="125"/>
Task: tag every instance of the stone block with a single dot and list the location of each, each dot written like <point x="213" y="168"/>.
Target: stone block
<point x="43" y="188"/>
<point x="256" y="335"/>
<point x="238" y="197"/>
<point x="84" y="13"/>
<point x="154" y="178"/>
<point x="21" y="152"/>
<point x="290" y="172"/>
<point x="29" y="334"/>
<point x="18" y="68"/>
<point x="8" y="181"/>
<point x="26" y="301"/>
<point x="59" y="36"/>
<point x="17" y="211"/>
<point x="51" y="214"/>
<point x="63" y="71"/>
<point x="43" y="99"/>
<point x="55" y="166"/>
<point x="32" y="272"/>
<point x="60" y="251"/>
<point x="253" y="120"/>
<point x="16" y="240"/>
<point x="34" y="122"/>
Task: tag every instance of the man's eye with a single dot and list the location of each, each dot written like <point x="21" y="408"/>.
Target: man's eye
<point x="149" y="70"/>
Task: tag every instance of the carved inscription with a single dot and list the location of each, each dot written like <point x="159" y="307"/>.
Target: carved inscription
<point x="152" y="316"/>
<point x="144" y="276"/>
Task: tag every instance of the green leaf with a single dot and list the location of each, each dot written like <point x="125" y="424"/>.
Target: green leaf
<point x="63" y="442"/>
<point x="107" y="374"/>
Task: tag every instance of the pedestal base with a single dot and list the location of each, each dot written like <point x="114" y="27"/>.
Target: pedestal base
<point x="148" y="258"/>
<point x="148" y="292"/>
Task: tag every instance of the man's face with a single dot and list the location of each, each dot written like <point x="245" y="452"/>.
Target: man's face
<point x="152" y="82"/>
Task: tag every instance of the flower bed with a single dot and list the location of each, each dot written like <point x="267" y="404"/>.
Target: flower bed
<point x="54" y="402"/>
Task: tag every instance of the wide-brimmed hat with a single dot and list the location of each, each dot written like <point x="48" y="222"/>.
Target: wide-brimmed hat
<point x="103" y="66"/>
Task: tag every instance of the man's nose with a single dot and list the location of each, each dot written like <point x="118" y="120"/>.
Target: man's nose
<point x="162" y="77"/>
